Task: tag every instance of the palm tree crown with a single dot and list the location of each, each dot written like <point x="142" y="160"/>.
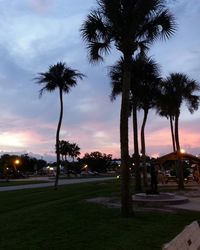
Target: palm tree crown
<point x="129" y="24"/>
<point x="179" y="87"/>
<point x="58" y="76"/>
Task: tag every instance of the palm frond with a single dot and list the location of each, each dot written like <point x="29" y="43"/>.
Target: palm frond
<point x="95" y="33"/>
<point x="158" y="23"/>
<point x="97" y="50"/>
<point x="93" y="28"/>
<point x="116" y="75"/>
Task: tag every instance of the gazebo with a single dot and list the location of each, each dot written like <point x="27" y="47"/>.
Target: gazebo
<point x="175" y="156"/>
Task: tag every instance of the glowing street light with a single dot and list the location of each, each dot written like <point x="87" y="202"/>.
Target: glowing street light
<point x="16" y="162"/>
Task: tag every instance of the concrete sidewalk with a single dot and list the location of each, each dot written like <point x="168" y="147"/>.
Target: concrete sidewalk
<point x="192" y="205"/>
<point x="51" y="184"/>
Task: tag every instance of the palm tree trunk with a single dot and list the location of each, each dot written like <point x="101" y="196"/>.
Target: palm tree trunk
<point x="143" y="147"/>
<point x="180" y="164"/>
<point x="177" y="132"/>
<point x="172" y="133"/>
<point x="57" y="140"/>
<point x="136" y="149"/>
<point x="126" y="200"/>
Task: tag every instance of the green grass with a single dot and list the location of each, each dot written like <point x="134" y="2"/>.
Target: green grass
<point x="17" y="183"/>
<point x="47" y="219"/>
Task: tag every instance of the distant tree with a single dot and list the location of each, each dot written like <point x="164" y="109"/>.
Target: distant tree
<point x="74" y="151"/>
<point x="64" y="148"/>
<point x="97" y="161"/>
<point x="68" y="149"/>
<point x="31" y="164"/>
<point x="60" y="77"/>
<point x="25" y="164"/>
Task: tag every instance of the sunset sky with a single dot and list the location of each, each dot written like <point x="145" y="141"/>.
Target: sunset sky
<point x="37" y="33"/>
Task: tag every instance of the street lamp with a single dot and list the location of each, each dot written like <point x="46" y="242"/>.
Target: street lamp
<point x="16" y="162"/>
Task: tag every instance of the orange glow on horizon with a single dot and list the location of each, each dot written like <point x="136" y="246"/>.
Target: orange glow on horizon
<point x="8" y="139"/>
<point x="157" y="142"/>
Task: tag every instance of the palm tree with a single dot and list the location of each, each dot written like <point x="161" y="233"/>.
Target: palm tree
<point x="144" y="87"/>
<point x="146" y="77"/>
<point x="75" y="151"/>
<point x="61" y="149"/>
<point x="64" y="148"/>
<point x="165" y="107"/>
<point x="128" y="25"/>
<point x="178" y="88"/>
<point x="60" y="77"/>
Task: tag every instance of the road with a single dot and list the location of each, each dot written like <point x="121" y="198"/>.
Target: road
<point x="51" y="184"/>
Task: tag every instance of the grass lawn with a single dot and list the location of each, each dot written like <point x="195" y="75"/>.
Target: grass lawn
<point x="17" y="183"/>
<point x="47" y="219"/>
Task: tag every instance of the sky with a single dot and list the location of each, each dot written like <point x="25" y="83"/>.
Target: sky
<point x="35" y="34"/>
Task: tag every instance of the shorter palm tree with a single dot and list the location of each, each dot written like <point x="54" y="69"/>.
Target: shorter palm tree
<point x="64" y="148"/>
<point x="63" y="78"/>
<point x="178" y="88"/>
<point x="75" y="151"/>
<point x="144" y="88"/>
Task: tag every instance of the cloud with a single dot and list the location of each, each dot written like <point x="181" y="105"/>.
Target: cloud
<point x="41" y="6"/>
<point x="37" y="33"/>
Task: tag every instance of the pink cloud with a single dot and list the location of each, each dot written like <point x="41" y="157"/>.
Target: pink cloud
<point x="41" y="6"/>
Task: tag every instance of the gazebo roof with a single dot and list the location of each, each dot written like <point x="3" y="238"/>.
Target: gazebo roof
<point x="174" y="156"/>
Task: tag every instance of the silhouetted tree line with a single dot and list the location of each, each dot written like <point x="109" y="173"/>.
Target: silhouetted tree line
<point x="97" y="161"/>
<point x="94" y="161"/>
<point x="68" y="150"/>
<point x="16" y="166"/>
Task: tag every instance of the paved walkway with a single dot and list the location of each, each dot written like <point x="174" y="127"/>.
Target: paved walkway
<point x="51" y="183"/>
<point x="192" y="205"/>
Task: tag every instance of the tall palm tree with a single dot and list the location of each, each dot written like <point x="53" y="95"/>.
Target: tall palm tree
<point x="144" y="87"/>
<point x="179" y="88"/>
<point x="128" y="25"/>
<point x="60" y="77"/>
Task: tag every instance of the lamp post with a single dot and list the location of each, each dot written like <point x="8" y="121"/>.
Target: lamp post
<point x="16" y="162"/>
<point x="181" y="169"/>
<point x="182" y="151"/>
